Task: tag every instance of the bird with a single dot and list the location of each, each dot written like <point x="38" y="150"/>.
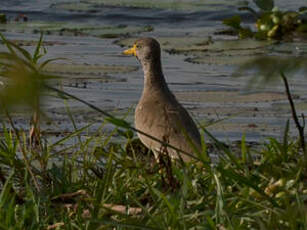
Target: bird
<point x="158" y="113"/>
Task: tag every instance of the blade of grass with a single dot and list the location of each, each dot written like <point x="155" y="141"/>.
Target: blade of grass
<point x="103" y="186"/>
<point x="37" y="55"/>
<point x="222" y="147"/>
<point x="22" y="150"/>
<point x="243" y="150"/>
<point x="75" y="133"/>
<point x="229" y="173"/>
<point x="43" y="64"/>
<point x="7" y="44"/>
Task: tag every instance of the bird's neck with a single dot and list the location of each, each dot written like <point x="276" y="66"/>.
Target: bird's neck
<point x="153" y="75"/>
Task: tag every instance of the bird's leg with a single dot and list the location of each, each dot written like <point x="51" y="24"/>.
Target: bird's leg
<point x="165" y="162"/>
<point x="161" y="164"/>
<point x="173" y="182"/>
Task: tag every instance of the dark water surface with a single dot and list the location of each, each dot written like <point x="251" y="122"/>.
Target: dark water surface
<point x="101" y="11"/>
<point x="202" y="80"/>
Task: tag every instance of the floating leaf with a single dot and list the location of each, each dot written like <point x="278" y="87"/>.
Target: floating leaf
<point x="3" y="18"/>
<point x="245" y="33"/>
<point x="234" y="22"/>
<point x="246" y="8"/>
<point x="266" y="5"/>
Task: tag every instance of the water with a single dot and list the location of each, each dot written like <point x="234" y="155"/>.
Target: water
<point x="208" y="89"/>
<point x="177" y="11"/>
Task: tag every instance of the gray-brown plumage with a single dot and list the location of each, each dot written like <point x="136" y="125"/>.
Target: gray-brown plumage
<point x="158" y="113"/>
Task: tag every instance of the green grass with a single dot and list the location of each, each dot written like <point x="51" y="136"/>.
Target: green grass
<point x="266" y="189"/>
<point x="98" y="184"/>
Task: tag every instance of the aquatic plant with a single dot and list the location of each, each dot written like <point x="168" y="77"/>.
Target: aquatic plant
<point x="271" y="22"/>
<point x="24" y="75"/>
<point x="3" y="18"/>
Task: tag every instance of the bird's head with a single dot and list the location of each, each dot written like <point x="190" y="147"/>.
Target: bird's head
<point x="145" y="49"/>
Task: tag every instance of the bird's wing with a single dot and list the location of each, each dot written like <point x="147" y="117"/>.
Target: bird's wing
<point x="169" y="122"/>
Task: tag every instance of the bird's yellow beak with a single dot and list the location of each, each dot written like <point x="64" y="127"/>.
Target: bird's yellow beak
<point x="131" y="51"/>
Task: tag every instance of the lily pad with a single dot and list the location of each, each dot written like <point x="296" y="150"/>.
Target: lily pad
<point x="34" y="42"/>
<point x="21" y="27"/>
<point x="204" y="50"/>
<point x="223" y="52"/>
<point x="76" y="6"/>
<point x="196" y="44"/>
<point x="226" y="45"/>
<point x="86" y="71"/>
<point x="74" y="29"/>
<point x="230" y="97"/>
<point x="175" y="44"/>
<point x="226" y="58"/>
<point x="194" y="5"/>
<point x="118" y="31"/>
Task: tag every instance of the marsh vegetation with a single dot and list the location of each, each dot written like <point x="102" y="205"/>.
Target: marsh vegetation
<point x="97" y="183"/>
<point x="103" y="178"/>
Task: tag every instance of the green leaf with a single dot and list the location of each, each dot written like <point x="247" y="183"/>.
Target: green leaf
<point x="220" y="200"/>
<point x="221" y="146"/>
<point x="245" y="33"/>
<point x="246" y="8"/>
<point x="5" y="191"/>
<point x="118" y="122"/>
<point x="168" y="204"/>
<point x="127" y="134"/>
<point x="210" y="222"/>
<point x="302" y="9"/>
<point x="37" y="55"/>
<point x="12" y="58"/>
<point x="43" y="64"/>
<point x="286" y="137"/>
<point x="3" y="18"/>
<point x="249" y="182"/>
<point x="63" y="140"/>
<point x="7" y="44"/>
<point x="24" y="52"/>
<point x="266" y="5"/>
<point x="234" y="22"/>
